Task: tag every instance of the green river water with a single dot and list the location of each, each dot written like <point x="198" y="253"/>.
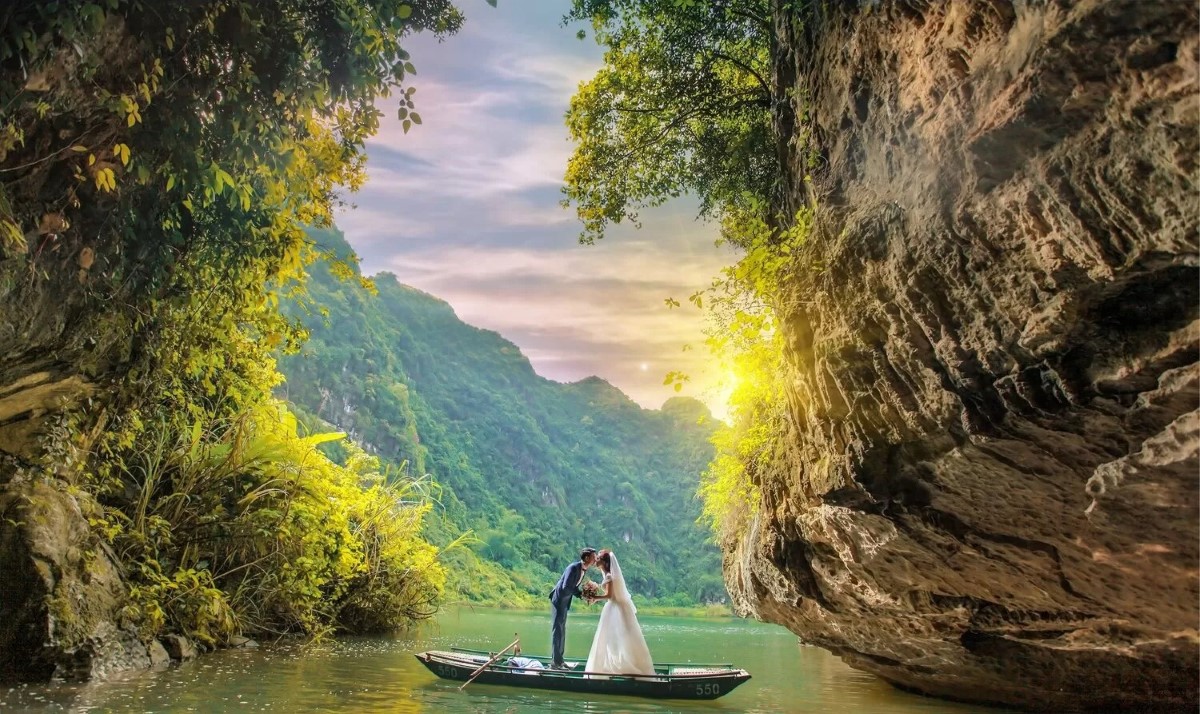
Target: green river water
<point x="380" y="674"/>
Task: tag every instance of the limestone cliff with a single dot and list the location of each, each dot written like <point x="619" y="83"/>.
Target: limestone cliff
<point x="988" y="486"/>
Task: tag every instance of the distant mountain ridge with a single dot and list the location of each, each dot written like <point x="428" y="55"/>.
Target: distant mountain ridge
<point x="536" y="468"/>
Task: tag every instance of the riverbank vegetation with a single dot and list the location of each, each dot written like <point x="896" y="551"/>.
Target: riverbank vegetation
<point x="159" y="163"/>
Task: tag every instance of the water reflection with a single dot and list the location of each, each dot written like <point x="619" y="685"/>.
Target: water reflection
<point x="381" y="675"/>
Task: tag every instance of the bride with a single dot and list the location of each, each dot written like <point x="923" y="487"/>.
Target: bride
<point x="618" y="647"/>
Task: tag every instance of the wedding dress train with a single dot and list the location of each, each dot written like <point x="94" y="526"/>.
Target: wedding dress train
<point x="619" y="646"/>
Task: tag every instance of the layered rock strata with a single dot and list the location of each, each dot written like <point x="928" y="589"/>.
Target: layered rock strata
<point x="987" y="488"/>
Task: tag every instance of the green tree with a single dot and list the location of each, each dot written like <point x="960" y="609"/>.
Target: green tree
<point x="681" y="105"/>
<point x="159" y="162"/>
<point x="684" y="104"/>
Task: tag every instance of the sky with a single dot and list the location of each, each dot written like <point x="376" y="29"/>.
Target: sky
<point x="466" y="207"/>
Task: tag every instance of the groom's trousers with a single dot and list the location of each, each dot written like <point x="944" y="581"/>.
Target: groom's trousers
<point x="558" y="631"/>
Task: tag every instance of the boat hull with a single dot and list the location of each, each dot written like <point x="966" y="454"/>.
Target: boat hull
<point x="701" y="685"/>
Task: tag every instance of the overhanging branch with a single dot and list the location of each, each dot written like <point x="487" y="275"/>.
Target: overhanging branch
<point x="745" y="68"/>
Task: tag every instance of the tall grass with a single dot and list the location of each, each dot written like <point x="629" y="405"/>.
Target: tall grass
<point x="247" y="526"/>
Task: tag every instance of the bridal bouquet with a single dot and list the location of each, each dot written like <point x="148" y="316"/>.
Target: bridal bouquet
<point x="590" y="590"/>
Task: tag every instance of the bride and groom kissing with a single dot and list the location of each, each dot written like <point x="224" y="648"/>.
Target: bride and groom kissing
<point x="619" y="646"/>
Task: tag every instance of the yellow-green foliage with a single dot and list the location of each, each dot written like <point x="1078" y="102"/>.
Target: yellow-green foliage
<point x="400" y="576"/>
<point x="746" y="339"/>
<point x="248" y="525"/>
<point x="159" y="162"/>
<point x="727" y="487"/>
<point x="479" y="581"/>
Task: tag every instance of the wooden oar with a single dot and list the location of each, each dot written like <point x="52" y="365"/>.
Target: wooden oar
<point x="496" y="656"/>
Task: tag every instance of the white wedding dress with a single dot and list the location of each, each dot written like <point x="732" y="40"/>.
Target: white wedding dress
<point x="619" y="646"/>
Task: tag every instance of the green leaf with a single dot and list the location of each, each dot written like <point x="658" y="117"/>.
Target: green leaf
<point x="93" y="15"/>
<point x="654" y="75"/>
<point x="416" y="118"/>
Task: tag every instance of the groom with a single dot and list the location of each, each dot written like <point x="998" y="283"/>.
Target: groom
<point x="560" y="601"/>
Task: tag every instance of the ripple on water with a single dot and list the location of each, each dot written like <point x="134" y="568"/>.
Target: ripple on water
<point x="380" y="674"/>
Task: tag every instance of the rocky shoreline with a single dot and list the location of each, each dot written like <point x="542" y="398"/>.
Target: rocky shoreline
<point x="62" y="595"/>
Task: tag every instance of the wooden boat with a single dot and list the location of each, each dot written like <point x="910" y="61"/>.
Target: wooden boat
<point x="670" y="680"/>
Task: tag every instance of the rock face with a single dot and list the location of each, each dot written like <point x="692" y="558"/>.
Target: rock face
<point x="179" y="647"/>
<point x="61" y="595"/>
<point x="988" y="485"/>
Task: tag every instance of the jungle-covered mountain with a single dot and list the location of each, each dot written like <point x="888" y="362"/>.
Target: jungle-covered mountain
<point x="534" y="468"/>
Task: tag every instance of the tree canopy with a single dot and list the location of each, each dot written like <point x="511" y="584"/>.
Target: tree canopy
<point x="176" y="128"/>
<point x="159" y="162"/>
<point x="681" y="105"/>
